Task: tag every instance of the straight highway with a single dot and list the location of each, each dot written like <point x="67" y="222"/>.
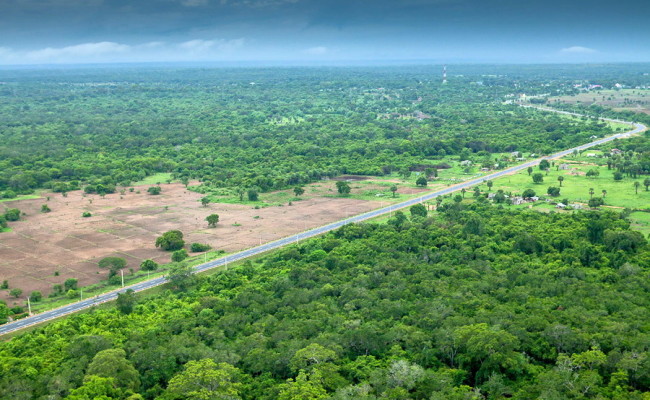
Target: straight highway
<point x="90" y="302"/>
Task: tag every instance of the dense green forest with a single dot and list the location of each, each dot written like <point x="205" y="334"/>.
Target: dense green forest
<point x="475" y="303"/>
<point x="260" y="128"/>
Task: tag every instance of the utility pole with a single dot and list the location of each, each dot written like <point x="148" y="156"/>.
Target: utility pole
<point x="81" y="294"/>
<point x="122" y="271"/>
<point x="29" y="306"/>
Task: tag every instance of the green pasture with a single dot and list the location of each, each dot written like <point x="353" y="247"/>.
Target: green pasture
<point x="161" y="177"/>
<point x="576" y="187"/>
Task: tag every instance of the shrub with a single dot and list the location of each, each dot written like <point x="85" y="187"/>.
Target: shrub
<point x="149" y="265"/>
<point x="252" y="195"/>
<point x="171" y="240"/>
<point x="528" y="193"/>
<point x="86" y="214"/>
<point x="154" y="190"/>
<point x="15" y="292"/>
<point x="114" y="263"/>
<point x="70" y="284"/>
<point x="179" y="255"/>
<point x="198" y="247"/>
<point x="45" y="208"/>
<point x="12" y="214"/>
<point x="71" y="294"/>
<point x="36" y="296"/>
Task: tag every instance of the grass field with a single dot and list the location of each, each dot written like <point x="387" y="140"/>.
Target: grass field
<point x="641" y="222"/>
<point x="637" y="100"/>
<point x="24" y="197"/>
<point x="154" y="179"/>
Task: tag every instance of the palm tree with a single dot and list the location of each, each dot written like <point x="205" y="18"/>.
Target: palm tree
<point x="463" y="192"/>
<point x="489" y="183"/>
<point x="636" y="186"/>
<point x="646" y="183"/>
<point x="604" y="192"/>
<point x="591" y="192"/>
<point x="560" y="178"/>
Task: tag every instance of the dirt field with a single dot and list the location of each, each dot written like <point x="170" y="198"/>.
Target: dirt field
<point x="637" y="100"/>
<point x="63" y="241"/>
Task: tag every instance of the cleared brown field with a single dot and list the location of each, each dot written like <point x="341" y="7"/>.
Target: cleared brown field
<point x="127" y="226"/>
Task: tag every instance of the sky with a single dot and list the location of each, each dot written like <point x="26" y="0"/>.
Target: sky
<point x="323" y="31"/>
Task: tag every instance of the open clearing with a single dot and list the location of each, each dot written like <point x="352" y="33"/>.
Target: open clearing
<point x="127" y="226"/>
<point x="637" y="100"/>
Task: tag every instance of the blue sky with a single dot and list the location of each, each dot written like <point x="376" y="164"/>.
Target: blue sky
<point x="325" y="31"/>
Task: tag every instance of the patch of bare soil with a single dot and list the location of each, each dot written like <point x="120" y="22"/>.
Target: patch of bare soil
<point x="127" y="226"/>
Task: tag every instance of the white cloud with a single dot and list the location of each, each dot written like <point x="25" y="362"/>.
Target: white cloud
<point x="85" y="51"/>
<point x="578" y="50"/>
<point x="111" y="52"/>
<point x="194" y="3"/>
<point x="316" y="51"/>
<point x="205" y="47"/>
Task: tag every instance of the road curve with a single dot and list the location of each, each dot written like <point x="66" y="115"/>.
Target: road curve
<point x="78" y="306"/>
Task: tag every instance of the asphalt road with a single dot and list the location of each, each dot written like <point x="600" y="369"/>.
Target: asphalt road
<point x="71" y="308"/>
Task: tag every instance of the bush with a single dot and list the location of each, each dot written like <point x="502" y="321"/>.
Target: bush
<point x="154" y="190"/>
<point x="86" y="214"/>
<point x="171" y="240"/>
<point x="149" y="265"/>
<point x="5" y="284"/>
<point x="12" y="214"/>
<point x="553" y="191"/>
<point x="70" y="284"/>
<point x="252" y="195"/>
<point x="71" y="294"/>
<point x="198" y="247"/>
<point x="617" y="176"/>
<point x="179" y="255"/>
<point x="36" y="296"/>
<point x="45" y="208"/>
<point x="528" y="193"/>
<point x="114" y="263"/>
<point x="9" y="194"/>
<point x="57" y="289"/>
<point x="596" y="202"/>
<point x="15" y="292"/>
<point x="3" y="222"/>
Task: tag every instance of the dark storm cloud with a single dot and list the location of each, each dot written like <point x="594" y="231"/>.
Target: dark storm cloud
<point x="455" y="30"/>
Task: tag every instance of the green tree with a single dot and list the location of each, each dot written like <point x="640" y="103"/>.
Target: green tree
<point x="96" y="387"/>
<point x="171" y="240"/>
<point x="113" y="263"/>
<point x="154" y="190"/>
<point x="595" y="202"/>
<point x="393" y="189"/>
<point x="149" y="265"/>
<point x="343" y="187"/>
<point x="252" y="195"/>
<point x="198" y="247"/>
<point x="298" y="191"/>
<point x="126" y="301"/>
<point x="560" y="179"/>
<point x="528" y="193"/>
<point x="618" y="176"/>
<point x="205" y="200"/>
<point x="553" y="191"/>
<point x="304" y="387"/>
<point x="15" y="292"/>
<point x="12" y="214"/>
<point x="70" y="284"/>
<point x="204" y="380"/>
<point x="544" y="165"/>
<point x="112" y="363"/>
<point x="490" y="184"/>
<point x="36" y="296"/>
<point x="421" y="181"/>
<point x="212" y="219"/>
<point x="636" y="187"/>
<point x="646" y="183"/>
<point x="181" y="276"/>
<point x="538" y="178"/>
<point x="463" y="191"/>
<point x="529" y="170"/>
<point x="179" y="255"/>
<point x="593" y="172"/>
<point x="418" y="210"/>
<point x="591" y="192"/>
